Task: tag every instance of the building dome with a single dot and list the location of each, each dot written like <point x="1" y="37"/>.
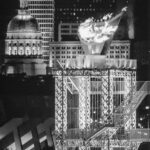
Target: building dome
<point x="24" y="38"/>
<point x="23" y="22"/>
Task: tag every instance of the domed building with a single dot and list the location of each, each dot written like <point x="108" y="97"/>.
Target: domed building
<point x="23" y="36"/>
<point x="23" y="45"/>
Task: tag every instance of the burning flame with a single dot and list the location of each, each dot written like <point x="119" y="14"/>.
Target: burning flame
<point x="97" y="32"/>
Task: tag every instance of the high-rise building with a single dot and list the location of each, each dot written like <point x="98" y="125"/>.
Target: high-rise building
<point x="76" y="11"/>
<point x="43" y="11"/>
<point x="68" y="32"/>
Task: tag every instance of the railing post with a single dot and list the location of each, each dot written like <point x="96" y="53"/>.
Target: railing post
<point x="17" y="139"/>
<point x="35" y="138"/>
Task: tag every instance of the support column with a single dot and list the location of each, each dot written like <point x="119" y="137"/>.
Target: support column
<point x="17" y="139"/>
<point x="49" y="137"/>
<point x="35" y="139"/>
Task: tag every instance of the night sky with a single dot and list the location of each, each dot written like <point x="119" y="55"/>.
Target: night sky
<point x="8" y="8"/>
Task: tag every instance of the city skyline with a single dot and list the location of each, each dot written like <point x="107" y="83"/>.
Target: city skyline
<point x="85" y="86"/>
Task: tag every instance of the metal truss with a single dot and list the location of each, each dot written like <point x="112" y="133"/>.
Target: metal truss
<point x="79" y="80"/>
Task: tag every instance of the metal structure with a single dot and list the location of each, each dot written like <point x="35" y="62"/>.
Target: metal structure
<point x="96" y="98"/>
<point x="103" y="112"/>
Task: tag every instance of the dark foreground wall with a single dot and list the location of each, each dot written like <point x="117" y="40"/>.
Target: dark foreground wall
<point x="22" y="95"/>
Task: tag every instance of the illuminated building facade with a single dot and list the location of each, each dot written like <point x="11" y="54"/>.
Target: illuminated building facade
<point x="63" y="51"/>
<point x="43" y="11"/>
<point x="23" y="45"/>
<point x="68" y="32"/>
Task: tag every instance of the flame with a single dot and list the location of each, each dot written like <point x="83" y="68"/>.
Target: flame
<point x="96" y="32"/>
<point x="93" y="34"/>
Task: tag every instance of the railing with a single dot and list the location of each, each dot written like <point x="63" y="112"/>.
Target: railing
<point x="137" y="98"/>
<point x="140" y="134"/>
<point x="85" y="133"/>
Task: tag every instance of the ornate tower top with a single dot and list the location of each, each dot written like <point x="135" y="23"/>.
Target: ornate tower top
<point x="23" y="4"/>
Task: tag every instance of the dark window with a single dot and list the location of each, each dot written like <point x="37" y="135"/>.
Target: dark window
<point x="117" y="99"/>
<point x="73" y="110"/>
<point x="95" y="110"/>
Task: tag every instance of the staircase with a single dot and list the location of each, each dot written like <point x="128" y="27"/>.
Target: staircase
<point x="136" y="100"/>
<point x="140" y="135"/>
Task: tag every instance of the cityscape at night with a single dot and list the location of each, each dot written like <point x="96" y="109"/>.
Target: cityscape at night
<point x="74" y="75"/>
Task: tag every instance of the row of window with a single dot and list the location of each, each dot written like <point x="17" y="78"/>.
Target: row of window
<point x="117" y="56"/>
<point x="118" y="84"/>
<point x="26" y="52"/>
<point x="120" y="47"/>
<point x="47" y="16"/>
<point x="45" y="44"/>
<point x="64" y="57"/>
<point x="45" y="20"/>
<point x="69" y="31"/>
<point x="41" y="2"/>
<point x="69" y="26"/>
<point x="41" y="7"/>
<point x="68" y="47"/>
<point x="68" y="52"/>
<point x="75" y="9"/>
<point x="24" y="44"/>
<point x="47" y="30"/>
<point x="47" y="25"/>
<point x="118" y="51"/>
<point x="42" y="11"/>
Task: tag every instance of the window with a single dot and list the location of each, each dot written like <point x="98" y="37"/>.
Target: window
<point x="118" y="84"/>
<point x="72" y="110"/>
<point x="95" y="110"/>
<point x="96" y="84"/>
<point x="95" y="148"/>
<point x="117" y="99"/>
<point x="111" y="47"/>
<point x="122" y="47"/>
<point x="117" y="47"/>
<point x="72" y="148"/>
<point x="57" y="52"/>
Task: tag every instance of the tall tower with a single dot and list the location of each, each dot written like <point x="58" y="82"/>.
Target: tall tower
<point x="43" y="11"/>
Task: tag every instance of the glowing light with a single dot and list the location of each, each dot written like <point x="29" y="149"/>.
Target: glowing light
<point x="93" y="32"/>
<point x="96" y="32"/>
<point x="141" y="119"/>
<point x="147" y="107"/>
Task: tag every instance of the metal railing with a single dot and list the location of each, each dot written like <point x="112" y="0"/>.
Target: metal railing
<point x="139" y="134"/>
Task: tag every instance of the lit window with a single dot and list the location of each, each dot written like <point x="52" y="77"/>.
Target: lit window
<point x="21" y="51"/>
<point x="118" y="84"/>
<point x="28" y="51"/>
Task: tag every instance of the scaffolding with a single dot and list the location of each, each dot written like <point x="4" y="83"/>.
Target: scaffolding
<point x="98" y="116"/>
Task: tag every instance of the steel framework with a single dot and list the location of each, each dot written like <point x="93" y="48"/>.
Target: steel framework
<point x="108" y="135"/>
